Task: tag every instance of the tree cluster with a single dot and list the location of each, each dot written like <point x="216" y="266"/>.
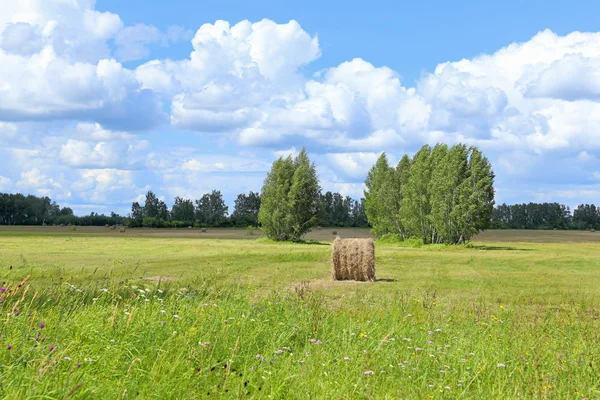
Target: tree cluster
<point x="442" y="195"/>
<point x="290" y="198"/>
<point x="336" y="210"/>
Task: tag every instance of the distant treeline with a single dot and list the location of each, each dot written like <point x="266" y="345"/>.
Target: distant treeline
<point x="545" y="216"/>
<point x="209" y="211"/>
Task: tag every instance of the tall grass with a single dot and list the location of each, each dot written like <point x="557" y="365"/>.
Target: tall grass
<point x="137" y="340"/>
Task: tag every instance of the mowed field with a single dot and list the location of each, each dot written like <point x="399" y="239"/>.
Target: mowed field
<point x="94" y="313"/>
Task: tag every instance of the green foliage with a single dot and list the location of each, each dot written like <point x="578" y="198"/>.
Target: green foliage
<point x="442" y="195"/>
<point x="290" y="198"/>
<point x="211" y="209"/>
<point x="246" y="209"/>
<point x="183" y="211"/>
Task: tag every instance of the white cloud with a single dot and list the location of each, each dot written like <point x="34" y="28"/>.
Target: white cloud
<point x="55" y="65"/>
<point x="133" y="42"/>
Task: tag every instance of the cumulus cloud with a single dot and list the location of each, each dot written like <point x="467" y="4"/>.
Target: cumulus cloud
<point x="55" y="64"/>
<point x="71" y="112"/>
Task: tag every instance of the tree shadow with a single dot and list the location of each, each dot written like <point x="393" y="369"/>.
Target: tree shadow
<point x="487" y="247"/>
<point x="385" y="280"/>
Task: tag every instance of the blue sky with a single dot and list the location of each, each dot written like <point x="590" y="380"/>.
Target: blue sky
<point x="102" y="101"/>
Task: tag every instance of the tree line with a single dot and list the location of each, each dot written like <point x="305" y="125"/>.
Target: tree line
<point x="545" y="216"/>
<point x="17" y="209"/>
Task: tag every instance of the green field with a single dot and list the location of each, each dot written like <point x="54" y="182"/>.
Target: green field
<point x="184" y="314"/>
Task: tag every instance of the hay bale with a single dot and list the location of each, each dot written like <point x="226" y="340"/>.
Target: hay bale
<point x="353" y="259"/>
<point x="189" y="227"/>
<point x="203" y="230"/>
<point x="334" y="232"/>
<point x="123" y="230"/>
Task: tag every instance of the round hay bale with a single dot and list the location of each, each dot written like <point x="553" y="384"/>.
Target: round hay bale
<point x="203" y="230"/>
<point x="334" y="232"/>
<point x="189" y="227"/>
<point x="353" y="259"/>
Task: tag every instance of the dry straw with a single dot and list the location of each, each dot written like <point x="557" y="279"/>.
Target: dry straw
<point x="353" y="259"/>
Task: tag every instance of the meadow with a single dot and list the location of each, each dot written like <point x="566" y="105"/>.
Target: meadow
<point x="94" y="313"/>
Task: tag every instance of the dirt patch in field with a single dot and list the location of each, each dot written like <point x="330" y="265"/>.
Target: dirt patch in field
<point x="160" y="278"/>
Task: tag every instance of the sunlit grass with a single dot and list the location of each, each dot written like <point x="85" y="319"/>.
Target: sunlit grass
<point x="253" y="320"/>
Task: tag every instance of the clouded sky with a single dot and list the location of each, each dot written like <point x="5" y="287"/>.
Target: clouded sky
<point x="102" y="101"/>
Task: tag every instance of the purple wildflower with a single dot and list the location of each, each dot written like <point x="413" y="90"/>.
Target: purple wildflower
<point x="42" y="325"/>
<point x="2" y="289"/>
<point x="78" y="364"/>
<point x="9" y="347"/>
<point x="315" y="341"/>
<point x="17" y="312"/>
<point x="36" y="338"/>
<point x="51" y="348"/>
<point x="279" y="351"/>
<point x="259" y="357"/>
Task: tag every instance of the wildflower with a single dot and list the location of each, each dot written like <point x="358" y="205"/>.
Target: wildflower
<point x="502" y="307"/>
<point x="163" y="311"/>
<point x="163" y="323"/>
<point x="459" y="385"/>
<point x="259" y="357"/>
<point x="418" y="349"/>
<point x="2" y="289"/>
<point x="500" y="365"/>
<point x="159" y="290"/>
<point x="362" y="335"/>
<point x="442" y="371"/>
<point x="462" y="360"/>
<point x="9" y="347"/>
<point x="447" y="387"/>
<point x="407" y="339"/>
<point x="105" y="290"/>
<point x="430" y="332"/>
<point x="51" y="348"/>
<point x="95" y="299"/>
<point x="438" y="330"/>
<point x="17" y="312"/>
<point x="205" y="344"/>
<point x="315" y="341"/>
<point x="369" y="372"/>
<point x="279" y="351"/>
<point x="431" y="386"/>
<point x="346" y="358"/>
<point x="36" y="338"/>
<point x="68" y="358"/>
<point x="112" y="340"/>
<point x="286" y="348"/>
<point x="409" y="315"/>
<point x="176" y="316"/>
<point x="78" y="364"/>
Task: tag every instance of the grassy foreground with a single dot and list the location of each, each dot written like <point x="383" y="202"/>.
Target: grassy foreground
<point x="140" y="317"/>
